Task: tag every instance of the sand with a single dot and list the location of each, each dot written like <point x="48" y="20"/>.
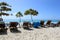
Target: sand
<point x="35" y="34"/>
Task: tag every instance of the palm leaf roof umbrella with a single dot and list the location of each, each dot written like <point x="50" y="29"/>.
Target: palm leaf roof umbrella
<point x="19" y="14"/>
<point x="4" y="4"/>
<point x="4" y="14"/>
<point x="31" y="12"/>
<point x="4" y="7"/>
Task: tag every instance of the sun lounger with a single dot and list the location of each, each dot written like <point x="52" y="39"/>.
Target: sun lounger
<point x="36" y="24"/>
<point x="2" y="26"/>
<point x="26" y="25"/>
<point x="13" y="25"/>
<point x="48" y="24"/>
<point x="58" y="24"/>
<point x="52" y="25"/>
<point x="42" y="23"/>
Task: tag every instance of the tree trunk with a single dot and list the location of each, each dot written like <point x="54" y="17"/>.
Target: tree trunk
<point x="31" y="18"/>
<point x="19" y="22"/>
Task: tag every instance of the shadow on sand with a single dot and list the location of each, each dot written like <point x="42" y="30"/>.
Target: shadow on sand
<point x="15" y="31"/>
<point x="3" y="32"/>
<point x="28" y="29"/>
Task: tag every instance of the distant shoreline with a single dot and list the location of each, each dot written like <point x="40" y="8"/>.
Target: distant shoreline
<point x="8" y="21"/>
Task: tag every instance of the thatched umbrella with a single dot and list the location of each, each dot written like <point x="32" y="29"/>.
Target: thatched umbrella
<point x="4" y="14"/>
<point x="4" y="7"/>
<point x="31" y="12"/>
<point x="19" y="14"/>
<point x="4" y="4"/>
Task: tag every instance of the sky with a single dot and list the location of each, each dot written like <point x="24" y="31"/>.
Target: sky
<point x="47" y="9"/>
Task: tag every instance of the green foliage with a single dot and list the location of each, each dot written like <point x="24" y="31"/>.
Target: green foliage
<point x="35" y="12"/>
<point x="4" y="7"/>
<point x="3" y="4"/>
<point x="26" y="12"/>
<point x="4" y="14"/>
<point x="31" y="12"/>
<point x="19" y="14"/>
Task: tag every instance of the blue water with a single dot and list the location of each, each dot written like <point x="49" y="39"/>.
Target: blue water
<point x="17" y="20"/>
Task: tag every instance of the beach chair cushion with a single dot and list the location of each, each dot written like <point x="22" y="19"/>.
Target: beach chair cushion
<point x="2" y="25"/>
<point x="27" y="25"/>
<point x="13" y="24"/>
<point x="36" y="24"/>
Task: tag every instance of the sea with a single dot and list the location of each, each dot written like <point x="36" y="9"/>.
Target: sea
<point x="28" y="20"/>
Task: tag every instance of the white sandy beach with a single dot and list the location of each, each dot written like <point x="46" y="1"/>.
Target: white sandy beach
<point x="35" y="34"/>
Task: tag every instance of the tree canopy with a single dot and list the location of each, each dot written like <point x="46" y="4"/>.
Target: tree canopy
<point x="19" y="14"/>
<point x="31" y="12"/>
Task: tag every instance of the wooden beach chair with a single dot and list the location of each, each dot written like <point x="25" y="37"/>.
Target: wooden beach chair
<point x="58" y="24"/>
<point x="2" y="26"/>
<point x="42" y="23"/>
<point x="13" y="25"/>
<point x="26" y="25"/>
<point x="52" y="25"/>
<point x="48" y="24"/>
